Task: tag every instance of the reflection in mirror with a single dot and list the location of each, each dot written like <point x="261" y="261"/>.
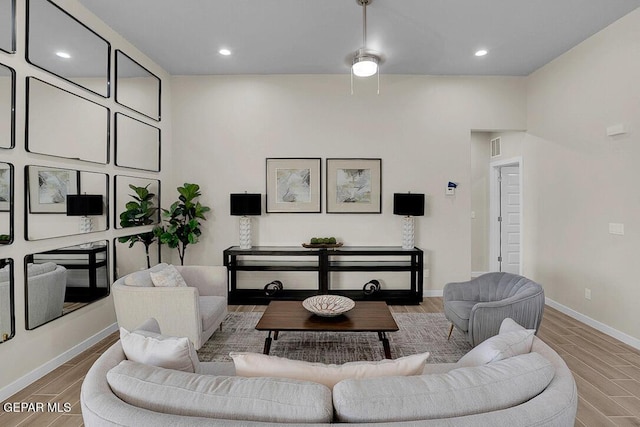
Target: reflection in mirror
<point x="7" y="25"/>
<point x="62" y="45"/>
<point x="137" y="144"/>
<point x="7" y="320"/>
<point x="62" y="124"/>
<point x="6" y="203"/>
<point x="129" y="257"/>
<point x="136" y="87"/>
<point x="47" y="191"/>
<point x="65" y="279"/>
<point x="124" y="194"/>
<point x="7" y="106"/>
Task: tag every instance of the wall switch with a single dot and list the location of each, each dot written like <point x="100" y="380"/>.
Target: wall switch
<point x="616" y="228"/>
<point x="616" y="130"/>
<point x="587" y="294"/>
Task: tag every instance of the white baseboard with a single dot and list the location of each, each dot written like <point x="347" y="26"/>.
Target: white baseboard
<point x="432" y="293"/>
<point x="54" y="363"/>
<point x="627" y="339"/>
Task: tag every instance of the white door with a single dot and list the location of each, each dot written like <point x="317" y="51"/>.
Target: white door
<point x="509" y="219"/>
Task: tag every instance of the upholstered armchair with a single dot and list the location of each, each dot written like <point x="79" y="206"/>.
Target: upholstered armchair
<point x="478" y="307"/>
<point x="46" y="286"/>
<point x="194" y="311"/>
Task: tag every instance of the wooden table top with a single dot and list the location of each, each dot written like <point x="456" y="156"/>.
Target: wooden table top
<point x="366" y="316"/>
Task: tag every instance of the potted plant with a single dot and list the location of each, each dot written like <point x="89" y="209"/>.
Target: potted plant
<point x="140" y="211"/>
<point x="182" y="220"/>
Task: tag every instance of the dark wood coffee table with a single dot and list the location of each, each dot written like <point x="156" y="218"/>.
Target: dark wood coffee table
<point x="366" y="316"/>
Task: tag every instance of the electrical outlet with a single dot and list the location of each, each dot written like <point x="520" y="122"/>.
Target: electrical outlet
<point x="587" y="294"/>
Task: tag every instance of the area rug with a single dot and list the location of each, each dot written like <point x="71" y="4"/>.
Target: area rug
<point x="419" y="332"/>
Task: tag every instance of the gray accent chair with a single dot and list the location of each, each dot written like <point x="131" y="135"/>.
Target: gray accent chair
<point x="478" y="307"/>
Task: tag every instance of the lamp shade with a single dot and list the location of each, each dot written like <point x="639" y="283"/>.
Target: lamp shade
<point x="408" y="204"/>
<point x="246" y="204"/>
<point x="84" y="204"/>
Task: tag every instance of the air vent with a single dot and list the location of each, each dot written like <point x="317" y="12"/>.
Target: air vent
<point x="495" y="147"/>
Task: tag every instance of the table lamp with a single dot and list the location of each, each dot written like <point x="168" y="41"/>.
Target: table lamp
<point x="243" y="205"/>
<point x="409" y="205"/>
<point x="84" y="206"/>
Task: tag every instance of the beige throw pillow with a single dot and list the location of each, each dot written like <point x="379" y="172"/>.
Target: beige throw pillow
<point x="168" y="277"/>
<point x="158" y="350"/>
<point x="261" y="365"/>
<point x="498" y="347"/>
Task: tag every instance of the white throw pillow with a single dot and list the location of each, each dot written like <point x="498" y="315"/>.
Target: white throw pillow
<point x="498" y="347"/>
<point x="261" y="365"/>
<point x="168" y="277"/>
<point x="142" y="279"/>
<point x="509" y="325"/>
<point x="158" y="350"/>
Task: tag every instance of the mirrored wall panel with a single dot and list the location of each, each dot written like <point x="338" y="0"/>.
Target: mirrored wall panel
<point x="7" y="317"/>
<point x="131" y="253"/>
<point x="62" y="124"/>
<point x="63" y="280"/>
<point x="62" y="45"/>
<point x="6" y="203"/>
<point x="63" y="202"/>
<point x="138" y="206"/>
<point x="8" y="25"/>
<point x="137" y="144"/>
<point x="7" y="106"/>
<point x="136" y="87"/>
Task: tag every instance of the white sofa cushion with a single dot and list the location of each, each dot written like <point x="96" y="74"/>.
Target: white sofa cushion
<point x="498" y="347"/>
<point x="155" y="349"/>
<point x="167" y="277"/>
<point x="212" y="310"/>
<point x="143" y="278"/>
<point x="261" y="365"/>
<point x="460" y="392"/>
<point x="236" y="398"/>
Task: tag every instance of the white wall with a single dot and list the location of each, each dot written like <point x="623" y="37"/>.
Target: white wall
<point x="419" y="126"/>
<point x="32" y="353"/>
<point x="579" y="180"/>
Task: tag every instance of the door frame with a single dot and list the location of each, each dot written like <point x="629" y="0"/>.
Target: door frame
<point x="494" y="209"/>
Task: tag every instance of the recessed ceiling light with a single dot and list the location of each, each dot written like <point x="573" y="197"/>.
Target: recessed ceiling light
<point x="225" y="52"/>
<point x="64" y="55"/>
<point x="481" y="52"/>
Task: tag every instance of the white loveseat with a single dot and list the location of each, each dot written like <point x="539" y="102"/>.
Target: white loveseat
<point x="195" y="311"/>
<point x="120" y="392"/>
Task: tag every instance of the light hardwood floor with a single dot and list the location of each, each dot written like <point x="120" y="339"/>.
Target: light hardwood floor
<point x="606" y="370"/>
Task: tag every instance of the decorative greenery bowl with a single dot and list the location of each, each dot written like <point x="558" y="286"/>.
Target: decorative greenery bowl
<point x="328" y="305"/>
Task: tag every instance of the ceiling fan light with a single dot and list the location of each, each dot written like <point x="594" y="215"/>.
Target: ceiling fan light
<point x="365" y="65"/>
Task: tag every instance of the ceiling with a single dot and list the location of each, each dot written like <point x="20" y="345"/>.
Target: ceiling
<point x="437" y="37"/>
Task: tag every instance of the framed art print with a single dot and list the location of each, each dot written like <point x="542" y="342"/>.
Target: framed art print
<point x="354" y="185"/>
<point x="293" y="185"/>
<point x="48" y="188"/>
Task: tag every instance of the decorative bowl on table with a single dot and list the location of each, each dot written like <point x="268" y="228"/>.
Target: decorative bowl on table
<point x="328" y="305"/>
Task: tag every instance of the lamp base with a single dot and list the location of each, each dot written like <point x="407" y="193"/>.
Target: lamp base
<point x="245" y="232"/>
<point x="408" y="232"/>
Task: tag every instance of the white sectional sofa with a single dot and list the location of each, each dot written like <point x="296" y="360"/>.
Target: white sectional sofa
<point x="531" y="389"/>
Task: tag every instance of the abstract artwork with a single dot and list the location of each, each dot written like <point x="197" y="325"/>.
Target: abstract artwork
<point x="353" y="185"/>
<point x="48" y="189"/>
<point x="293" y="185"/>
<point x="5" y="187"/>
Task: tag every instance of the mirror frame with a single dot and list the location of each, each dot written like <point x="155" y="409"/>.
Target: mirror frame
<point x="13" y="33"/>
<point x="28" y="208"/>
<point x="108" y="70"/>
<point x="158" y="117"/>
<point x="159" y="143"/>
<point x="27" y="115"/>
<point x="12" y="137"/>
<point x="11" y="203"/>
<point x="12" y="310"/>
<point x="28" y="258"/>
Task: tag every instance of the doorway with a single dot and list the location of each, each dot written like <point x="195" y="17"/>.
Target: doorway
<point x="505" y="229"/>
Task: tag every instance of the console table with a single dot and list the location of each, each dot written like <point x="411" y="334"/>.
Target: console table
<point x="324" y="261"/>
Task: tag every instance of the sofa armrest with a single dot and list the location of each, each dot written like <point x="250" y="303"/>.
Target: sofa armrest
<point x="209" y="280"/>
<point x="176" y="309"/>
